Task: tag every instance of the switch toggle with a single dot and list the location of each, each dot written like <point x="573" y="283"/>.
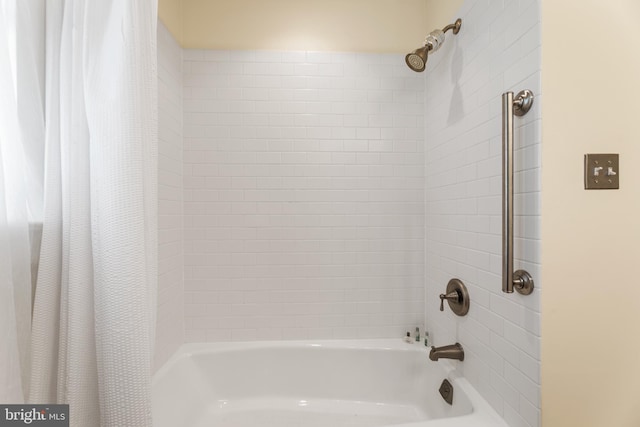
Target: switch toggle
<point x="601" y="172"/>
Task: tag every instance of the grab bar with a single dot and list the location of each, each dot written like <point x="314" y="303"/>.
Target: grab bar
<point x="520" y="280"/>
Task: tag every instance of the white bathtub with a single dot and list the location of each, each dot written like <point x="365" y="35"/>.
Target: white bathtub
<point x="313" y="384"/>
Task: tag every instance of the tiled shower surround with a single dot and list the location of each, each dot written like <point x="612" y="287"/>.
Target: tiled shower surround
<point x="170" y="323"/>
<point x="304" y="195"/>
<point x="497" y="50"/>
<point x="333" y="195"/>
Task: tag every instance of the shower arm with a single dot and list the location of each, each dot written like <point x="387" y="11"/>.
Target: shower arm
<point x="455" y="26"/>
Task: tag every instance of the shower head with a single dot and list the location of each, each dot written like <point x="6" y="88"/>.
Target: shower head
<point x="417" y="60"/>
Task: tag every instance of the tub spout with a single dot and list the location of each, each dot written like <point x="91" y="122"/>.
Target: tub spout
<point x="453" y="351"/>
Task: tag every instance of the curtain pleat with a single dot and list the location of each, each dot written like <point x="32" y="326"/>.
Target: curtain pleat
<point x="15" y="256"/>
<point x="94" y="311"/>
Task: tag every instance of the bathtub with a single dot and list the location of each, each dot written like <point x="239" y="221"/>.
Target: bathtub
<point x="351" y="383"/>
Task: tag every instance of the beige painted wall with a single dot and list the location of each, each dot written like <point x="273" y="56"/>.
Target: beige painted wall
<point x="335" y="25"/>
<point x="171" y="14"/>
<point x="590" y="239"/>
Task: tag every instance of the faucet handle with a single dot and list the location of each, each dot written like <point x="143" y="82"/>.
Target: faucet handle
<point x="451" y="296"/>
<point x="457" y="296"/>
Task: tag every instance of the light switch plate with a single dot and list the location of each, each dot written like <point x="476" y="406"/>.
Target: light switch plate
<point x="601" y="172"/>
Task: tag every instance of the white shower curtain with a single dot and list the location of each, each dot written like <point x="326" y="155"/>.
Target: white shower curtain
<point x="15" y="276"/>
<point x="94" y="310"/>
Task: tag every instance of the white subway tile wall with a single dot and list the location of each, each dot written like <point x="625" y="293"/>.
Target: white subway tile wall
<point x="497" y="50"/>
<point x="170" y="319"/>
<point x="304" y="195"/>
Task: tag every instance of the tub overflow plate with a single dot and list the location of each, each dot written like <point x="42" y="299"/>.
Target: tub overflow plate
<point x="446" y="391"/>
